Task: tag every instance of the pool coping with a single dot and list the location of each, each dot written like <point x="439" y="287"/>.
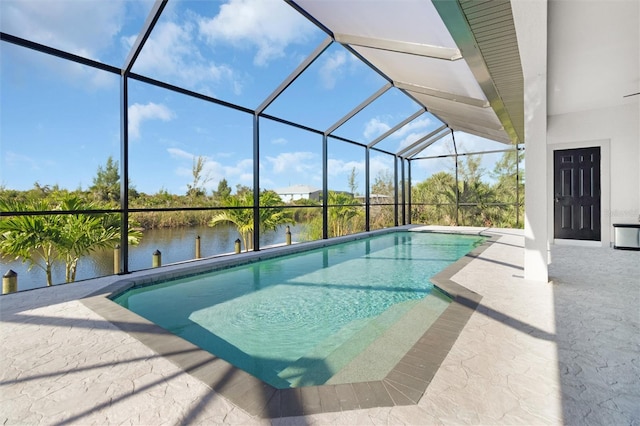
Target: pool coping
<point x="404" y="384"/>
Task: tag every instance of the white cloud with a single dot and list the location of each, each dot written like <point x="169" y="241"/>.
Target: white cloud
<point x="279" y="141"/>
<point x="240" y="170"/>
<point x="88" y="29"/>
<point x="214" y="171"/>
<point x="337" y="167"/>
<point x="441" y="147"/>
<point x="172" y="51"/>
<point x="151" y="111"/>
<point x="294" y="162"/>
<point x="246" y="179"/>
<point x="379" y="166"/>
<point x="268" y="26"/>
<point x="410" y="139"/>
<point x="412" y="131"/>
<point x="82" y="27"/>
<point x="375" y="127"/>
<point x="246" y="164"/>
<point x="179" y="153"/>
<point x="24" y="162"/>
<point x="421" y="124"/>
<point x="184" y="171"/>
<point x="267" y="183"/>
<point x="332" y="68"/>
<point x="467" y="142"/>
<point x="423" y="169"/>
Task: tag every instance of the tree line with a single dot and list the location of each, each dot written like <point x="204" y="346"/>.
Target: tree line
<point x="42" y="240"/>
<point x="472" y="200"/>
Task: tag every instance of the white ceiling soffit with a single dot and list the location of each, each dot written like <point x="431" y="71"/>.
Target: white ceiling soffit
<point x="485" y="33"/>
<point x="593" y="55"/>
<point x="481" y="116"/>
<point x="446" y="76"/>
<point x="419" y="51"/>
<point x="415" y="89"/>
<point x="495" y="135"/>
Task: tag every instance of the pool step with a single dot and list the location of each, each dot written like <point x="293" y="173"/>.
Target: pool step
<point x="359" y="338"/>
<point x="375" y="362"/>
<point x="328" y="357"/>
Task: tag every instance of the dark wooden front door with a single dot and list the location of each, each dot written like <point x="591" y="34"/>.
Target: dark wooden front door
<point x="577" y="194"/>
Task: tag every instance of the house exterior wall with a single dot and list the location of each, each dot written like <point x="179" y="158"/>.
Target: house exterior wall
<point x="299" y="192"/>
<point x="593" y="64"/>
<point x="572" y="100"/>
<point x="291" y="196"/>
<point x="617" y="132"/>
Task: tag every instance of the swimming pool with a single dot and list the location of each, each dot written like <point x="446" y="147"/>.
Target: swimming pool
<point x="339" y="314"/>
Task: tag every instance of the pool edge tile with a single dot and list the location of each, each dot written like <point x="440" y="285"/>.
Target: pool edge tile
<point x="290" y="402"/>
<point x="310" y="400"/>
<point x="397" y="397"/>
<point x="380" y="394"/>
<point x="328" y="398"/>
<point x="413" y="395"/>
<point x="247" y="391"/>
<point x="347" y="397"/>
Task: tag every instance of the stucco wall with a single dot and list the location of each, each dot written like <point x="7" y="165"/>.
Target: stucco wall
<point x="618" y="131"/>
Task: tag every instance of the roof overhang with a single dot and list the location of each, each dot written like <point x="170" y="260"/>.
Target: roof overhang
<point x="457" y="58"/>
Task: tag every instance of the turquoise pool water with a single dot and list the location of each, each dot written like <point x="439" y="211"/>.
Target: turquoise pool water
<point x="312" y="317"/>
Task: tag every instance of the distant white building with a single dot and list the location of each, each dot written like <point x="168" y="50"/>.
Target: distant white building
<point x="298" y="192"/>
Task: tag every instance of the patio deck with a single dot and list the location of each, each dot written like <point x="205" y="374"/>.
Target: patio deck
<point x="567" y="352"/>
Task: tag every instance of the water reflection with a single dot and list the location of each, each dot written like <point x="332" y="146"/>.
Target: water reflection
<point x="175" y="244"/>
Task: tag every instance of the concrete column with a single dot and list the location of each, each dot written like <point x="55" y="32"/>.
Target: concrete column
<point x="530" y="18"/>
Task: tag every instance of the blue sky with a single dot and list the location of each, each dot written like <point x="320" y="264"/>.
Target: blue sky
<point x="60" y="120"/>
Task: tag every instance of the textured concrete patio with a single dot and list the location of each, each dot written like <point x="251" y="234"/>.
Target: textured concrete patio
<point x="566" y="352"/>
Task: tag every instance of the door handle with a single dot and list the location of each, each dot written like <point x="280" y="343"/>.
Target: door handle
<point x="557" y="198"/>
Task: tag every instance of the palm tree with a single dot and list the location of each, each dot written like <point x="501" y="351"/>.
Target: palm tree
<point x="84" y="233"/>
<point x="43" y="239"/>
<point x="272" y="214"/>
<point x="241" y="215"/>
<point x="29" y="238"/>
<point x="344" y="209"/>
<point x="242" y="218"/>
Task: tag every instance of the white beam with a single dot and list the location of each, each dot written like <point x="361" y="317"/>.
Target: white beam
<point x="410" y="87"/>
<point x="530" y="19"/>
<point x="419" y="49"/>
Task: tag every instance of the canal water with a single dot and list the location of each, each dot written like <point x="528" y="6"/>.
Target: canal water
<point x="174" y="244"/>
